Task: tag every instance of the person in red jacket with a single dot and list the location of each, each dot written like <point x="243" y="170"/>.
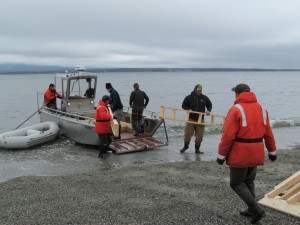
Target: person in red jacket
<point x="245" y="127"/>
<point x="102" y="126"/>
<point x="50" y="96"/>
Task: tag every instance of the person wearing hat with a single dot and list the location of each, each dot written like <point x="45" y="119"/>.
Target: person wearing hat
<point x="138" y="101"/>
<point x="102" y="125"/>
<point x="198" y="102"/>
<point x="245" y="132"/>
<point x="50" y="96"/>
<point x="115" y="104"/>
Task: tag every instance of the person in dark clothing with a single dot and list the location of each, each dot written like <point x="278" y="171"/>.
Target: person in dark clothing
<point x="115" y="104"/>
<point x="50" y="96"/>
<point x="198" y="102"/>
<point x="138" y="101"/>
<point x="89" y="93"/>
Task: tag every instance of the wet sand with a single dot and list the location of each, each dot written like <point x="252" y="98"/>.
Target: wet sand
<point x="169" y="193"/>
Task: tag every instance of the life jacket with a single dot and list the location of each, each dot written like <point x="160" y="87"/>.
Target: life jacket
<point x="50" y="98"/>
<point x="103" y="117"/>
<point x="245" y="127"/>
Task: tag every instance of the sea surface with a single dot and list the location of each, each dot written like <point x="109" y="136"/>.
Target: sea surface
<point x="20" y="93"/>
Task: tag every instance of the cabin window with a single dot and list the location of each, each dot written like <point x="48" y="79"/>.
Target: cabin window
<point x="82" y="88"/>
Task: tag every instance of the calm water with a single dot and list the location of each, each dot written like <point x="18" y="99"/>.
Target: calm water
<point x="277" y="91"/>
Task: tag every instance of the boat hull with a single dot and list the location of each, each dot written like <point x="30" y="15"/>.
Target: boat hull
<point x="29" y="136"/>
<point x="78" y="130"/>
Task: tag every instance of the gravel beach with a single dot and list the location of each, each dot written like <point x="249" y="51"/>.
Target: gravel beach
<point x="168" y="193"/>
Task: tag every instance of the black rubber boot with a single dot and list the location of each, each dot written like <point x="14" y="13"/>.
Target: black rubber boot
<point x="185" y="147"/>
<point x="197" y="149"/>
<point x="254" y="211"/>
<point x="259" y="213"/>
<point x="102" y="151"/>
<point x="247" y="212"/>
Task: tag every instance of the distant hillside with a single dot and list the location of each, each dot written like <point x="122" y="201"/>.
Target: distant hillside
<point x="25" y="68"/>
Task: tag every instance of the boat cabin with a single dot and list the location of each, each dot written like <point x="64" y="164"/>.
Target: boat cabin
<point x="78" y="91"/>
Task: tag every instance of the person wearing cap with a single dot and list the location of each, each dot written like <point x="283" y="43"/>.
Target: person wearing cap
<point x="50" y="96"/>
<point x="115" y="104"/>
<point x="102" y="125"/>
<point x="242" y="147"/>
<point x="138" y="101"/>
<point x="198" y="102"/>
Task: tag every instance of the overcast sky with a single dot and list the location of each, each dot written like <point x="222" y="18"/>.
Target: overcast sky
<point x="151" y="33"/>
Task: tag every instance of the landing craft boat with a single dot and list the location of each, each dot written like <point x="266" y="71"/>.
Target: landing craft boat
<point x="29" y="136"/>
<point x="75" y="116"/>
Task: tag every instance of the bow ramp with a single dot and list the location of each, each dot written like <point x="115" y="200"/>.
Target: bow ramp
<point x="136" y="144"/>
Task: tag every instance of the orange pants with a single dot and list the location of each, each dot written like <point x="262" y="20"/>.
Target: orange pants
<point x="190" y="129"/>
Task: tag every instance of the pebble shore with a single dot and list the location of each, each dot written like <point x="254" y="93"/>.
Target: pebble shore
<point x="168" y="193"/>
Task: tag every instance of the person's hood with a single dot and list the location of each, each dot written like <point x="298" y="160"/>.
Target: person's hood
<point x="245" y="97"/>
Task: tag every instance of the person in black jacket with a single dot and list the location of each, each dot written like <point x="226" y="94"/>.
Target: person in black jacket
<point x="196" y="101"/>
<point x="115" y="104"/>
<point x="138" y="101"/>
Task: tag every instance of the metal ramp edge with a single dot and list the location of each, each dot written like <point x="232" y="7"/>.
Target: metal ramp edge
<point x="136" y="144"/>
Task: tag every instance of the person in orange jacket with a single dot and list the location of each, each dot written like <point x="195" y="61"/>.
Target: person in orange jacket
<point x="246" y="126"/>
<point x="50" y="96"/>
<point x="102" y="125"/>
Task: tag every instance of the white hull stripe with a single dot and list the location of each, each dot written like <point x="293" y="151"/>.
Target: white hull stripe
<point x="244" y="121"/>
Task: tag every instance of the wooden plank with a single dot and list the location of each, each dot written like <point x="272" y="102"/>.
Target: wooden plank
<point x="286" y="196"/>
<point x="174" y="116"/>
<point x="281" y="205"/>
<point x="115" y="127"/>
<point x="285" y="185"/>
<point x="126" y="125"/>
<point x="294" y="199"/>
<point x="291" y="191"/>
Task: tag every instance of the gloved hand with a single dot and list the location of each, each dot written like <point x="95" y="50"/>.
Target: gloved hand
<point x="272" y="157"/>
<point x="220" y="161"/>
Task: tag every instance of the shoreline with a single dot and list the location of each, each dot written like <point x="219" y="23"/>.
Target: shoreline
<point x="195" y="192"/>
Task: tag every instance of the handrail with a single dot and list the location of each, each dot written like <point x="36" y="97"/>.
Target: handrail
<point x="188" y="112"/>
<point x="88" y="120"/>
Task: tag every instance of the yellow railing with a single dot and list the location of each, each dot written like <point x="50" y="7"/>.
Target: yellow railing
<point x="175" y="111"/>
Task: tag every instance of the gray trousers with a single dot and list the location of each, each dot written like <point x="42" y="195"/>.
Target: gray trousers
<point x="242" y="182"/>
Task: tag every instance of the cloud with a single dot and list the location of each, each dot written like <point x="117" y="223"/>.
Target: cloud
<point x="140" y="33"/>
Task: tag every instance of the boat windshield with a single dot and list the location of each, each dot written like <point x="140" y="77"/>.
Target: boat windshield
<point x="82" y="88"/>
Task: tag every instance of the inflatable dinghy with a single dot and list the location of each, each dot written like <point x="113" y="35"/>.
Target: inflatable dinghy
<point x="29" y="136"/>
